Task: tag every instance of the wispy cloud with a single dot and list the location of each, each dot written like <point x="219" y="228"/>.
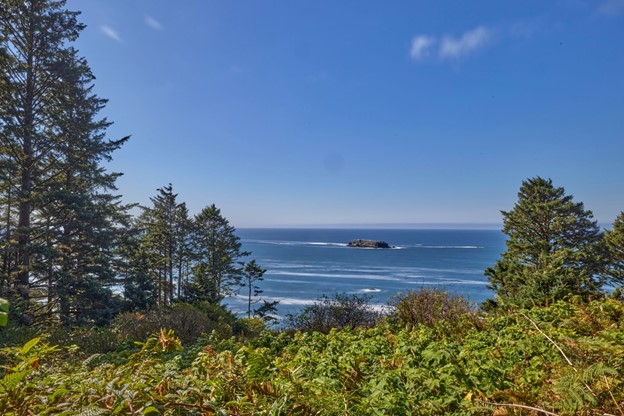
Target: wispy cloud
<point x="420" y="46"/>
<point x="111" y="33"/>
<point x="469" y="42"/>
<point x="611" y="8"/>
<point x="153" y="23"/>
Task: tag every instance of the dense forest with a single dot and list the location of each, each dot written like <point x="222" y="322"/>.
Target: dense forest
<point x="117" y="308"/>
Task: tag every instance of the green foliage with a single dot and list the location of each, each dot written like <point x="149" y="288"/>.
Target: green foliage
<point x="4" y="312"/>
<point x="340" y="311"/>
<point x="252" y="274"/>
<point x="161" y="255"/>
<point x="218" y="257"/>
<point x="60" y="220"/>
<point x="188" y="321"/>
<point x="567" y="358"/>
<point x="432" y="307"/>
<point x="87" y="339"/>
<point x="614" y="242"/>
<point x="552" y="249"/>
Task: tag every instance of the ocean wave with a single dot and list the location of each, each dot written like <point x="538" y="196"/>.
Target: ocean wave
<point x="458" y="247"/>
<point x="335" y="275"/>
<point x="341" y="245"/>
<point x="396" y="271"/>
<point x="370" y="290"/>
<point x="290" y="301"/>
<point x="448" y="282"/>
<point x="297" y="243"/>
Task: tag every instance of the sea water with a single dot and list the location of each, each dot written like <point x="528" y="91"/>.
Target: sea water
<point x="304" y="264"/>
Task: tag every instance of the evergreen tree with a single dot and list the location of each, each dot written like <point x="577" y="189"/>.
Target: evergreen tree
<point x="551" y="248"/>
<point x="183" y="252"/>
<point x="252" y="274"/>
<point x="218" y="264"/>
<point x="614" y="242"/>
<point x="8" y="214"/>
<point x="83" y="218"/>
<point x="165" y="238"/>
<point x="62" y="222"/>
<point x="33" y="36"/>
<point x="134" y="269"/>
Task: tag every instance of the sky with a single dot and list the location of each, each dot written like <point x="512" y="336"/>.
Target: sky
<point x="307" y="113"/>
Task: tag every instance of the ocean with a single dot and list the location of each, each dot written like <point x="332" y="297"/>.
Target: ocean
<point x="305" y="264"/>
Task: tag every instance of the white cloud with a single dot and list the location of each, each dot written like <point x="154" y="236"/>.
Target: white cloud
<point x="611" y="7"/>
<point x="420" y="46"/>
<point x="153" y="23"/>
<point x="469" y="42"/>
<point x="111" y="33"/>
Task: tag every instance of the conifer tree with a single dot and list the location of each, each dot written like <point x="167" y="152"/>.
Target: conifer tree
<point x="251" y="275"/>
<point x="33" y="36"/>
<point x="551" y="248"/>
<point x="134" y="268"/>
<point x="614" y="242"/>
<point x="218" y="257"/>
<point x="166" y="228"/>
<point x="183" y="252"/>
<point x="59" y="251"/>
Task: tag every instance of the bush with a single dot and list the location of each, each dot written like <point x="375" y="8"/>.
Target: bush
<point x="341" y="311"/>
<point x="431" y="306"/>
<point x="92" y="340"/>
<point x="250" y="328"/>
<point x="188" y="322"/>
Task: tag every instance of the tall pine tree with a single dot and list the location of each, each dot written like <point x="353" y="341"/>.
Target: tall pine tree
<point x="60" y="250"/>
<point x="165" y="238"/>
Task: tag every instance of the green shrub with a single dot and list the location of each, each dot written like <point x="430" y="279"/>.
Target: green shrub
<point x="92" y="340"/>
<point x="432" y="306"/>
<point x="250" y="328"/>
<point x="340" y="311"/>
<point x="188" y="321"/>
<point x="567" y="358"/>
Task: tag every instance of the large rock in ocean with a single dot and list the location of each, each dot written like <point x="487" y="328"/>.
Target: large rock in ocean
<point x="368" y="244"/>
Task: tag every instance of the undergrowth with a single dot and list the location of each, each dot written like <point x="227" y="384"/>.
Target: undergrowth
<point x="565" y="359"/>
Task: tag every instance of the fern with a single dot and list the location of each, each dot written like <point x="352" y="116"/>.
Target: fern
<point x="574" y="394"/>
<point x="11" y="381"/>
<point x="596" y="371"/>
<point x="29" y="345"/>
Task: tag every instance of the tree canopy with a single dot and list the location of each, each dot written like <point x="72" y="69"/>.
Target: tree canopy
<point x="552" y="248"/>
<point x="614" y="244"/>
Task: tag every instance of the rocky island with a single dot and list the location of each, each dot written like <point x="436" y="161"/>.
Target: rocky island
<point x="369" y="244"/>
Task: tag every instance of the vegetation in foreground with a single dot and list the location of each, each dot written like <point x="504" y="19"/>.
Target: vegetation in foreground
<point x="566" y="358"/>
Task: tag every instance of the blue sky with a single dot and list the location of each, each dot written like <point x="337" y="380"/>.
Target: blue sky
<point x="362" y="112"/>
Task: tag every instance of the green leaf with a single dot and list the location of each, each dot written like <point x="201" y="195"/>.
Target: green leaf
<point x="4" y="312"/>
<point x="151" y="411"/>
<point x="12" y="380"/>
<point x="4" y="305"/>
<point x="28" y="346"/>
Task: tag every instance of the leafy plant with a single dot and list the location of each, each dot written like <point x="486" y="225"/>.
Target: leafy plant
<point x="433" y="306"/>
<point x="340" y="311"/>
